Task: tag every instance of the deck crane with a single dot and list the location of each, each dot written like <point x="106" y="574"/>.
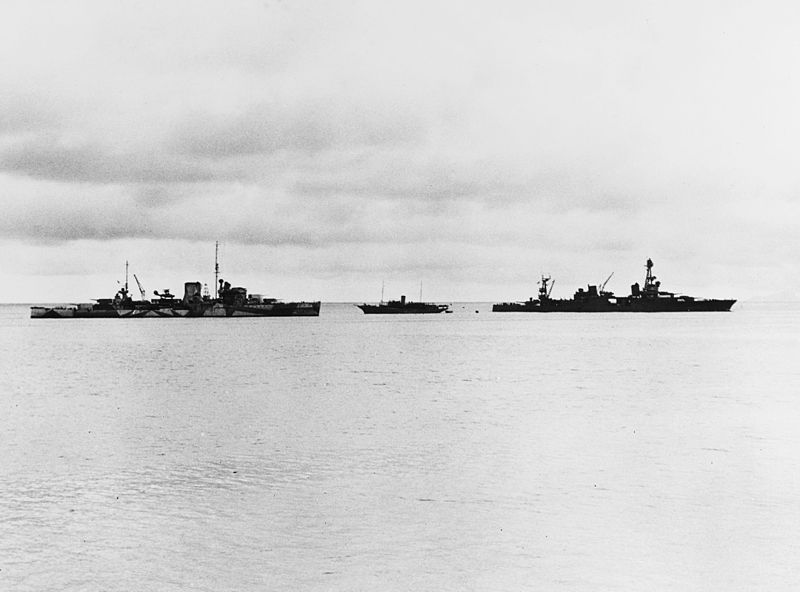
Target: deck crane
<point x="602" y="286"/>
<point x="141" y="290"/>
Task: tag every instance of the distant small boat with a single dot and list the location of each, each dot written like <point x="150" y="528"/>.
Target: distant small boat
<point x="404" y="306"/>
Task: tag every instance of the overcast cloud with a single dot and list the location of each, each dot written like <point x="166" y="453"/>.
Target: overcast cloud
<point x="330" y="146"/>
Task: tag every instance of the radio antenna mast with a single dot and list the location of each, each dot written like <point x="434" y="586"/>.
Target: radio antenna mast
<point x="216" y="269"/>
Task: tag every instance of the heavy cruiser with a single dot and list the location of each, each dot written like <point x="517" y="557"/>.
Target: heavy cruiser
<point x="647" y="298"/>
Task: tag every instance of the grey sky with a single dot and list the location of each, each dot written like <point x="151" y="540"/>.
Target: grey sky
<point x="330" y="146"/>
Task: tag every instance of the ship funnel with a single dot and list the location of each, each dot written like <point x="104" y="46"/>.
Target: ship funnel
<point x="192" y="292"/>
<point x="403" y="299"/>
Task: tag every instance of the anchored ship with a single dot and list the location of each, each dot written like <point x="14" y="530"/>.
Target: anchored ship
<point x="646" y="298"/>
<point x="228" y="301"/>
<point x="404" y="306"/>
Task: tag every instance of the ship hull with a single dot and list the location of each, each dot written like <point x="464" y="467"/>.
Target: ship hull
<point x="556" y="306"/>
<point x="276" y="309"/>
<point x="393" y="310"/>
<point x="620" y="305"/>
<point x="675" y="305"/>
<point x="88" y="311"/>
<point x="55" y="312"/>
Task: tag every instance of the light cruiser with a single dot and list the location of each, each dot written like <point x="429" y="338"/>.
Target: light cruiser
<point x="228" y="301"/>
<point x="231" y="302"/>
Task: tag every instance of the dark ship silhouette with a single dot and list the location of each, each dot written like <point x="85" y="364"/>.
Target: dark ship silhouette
<point x="404" y="306"/>
<point x="648" y="298"/>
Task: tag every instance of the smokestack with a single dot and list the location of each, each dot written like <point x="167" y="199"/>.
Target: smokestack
<point x="190" y="290"/>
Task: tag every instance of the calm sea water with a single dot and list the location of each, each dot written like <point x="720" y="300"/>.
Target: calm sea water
<point x="471" y="451"/>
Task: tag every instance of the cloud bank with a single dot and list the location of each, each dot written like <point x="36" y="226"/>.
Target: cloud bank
<point x="455" y="141"/>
